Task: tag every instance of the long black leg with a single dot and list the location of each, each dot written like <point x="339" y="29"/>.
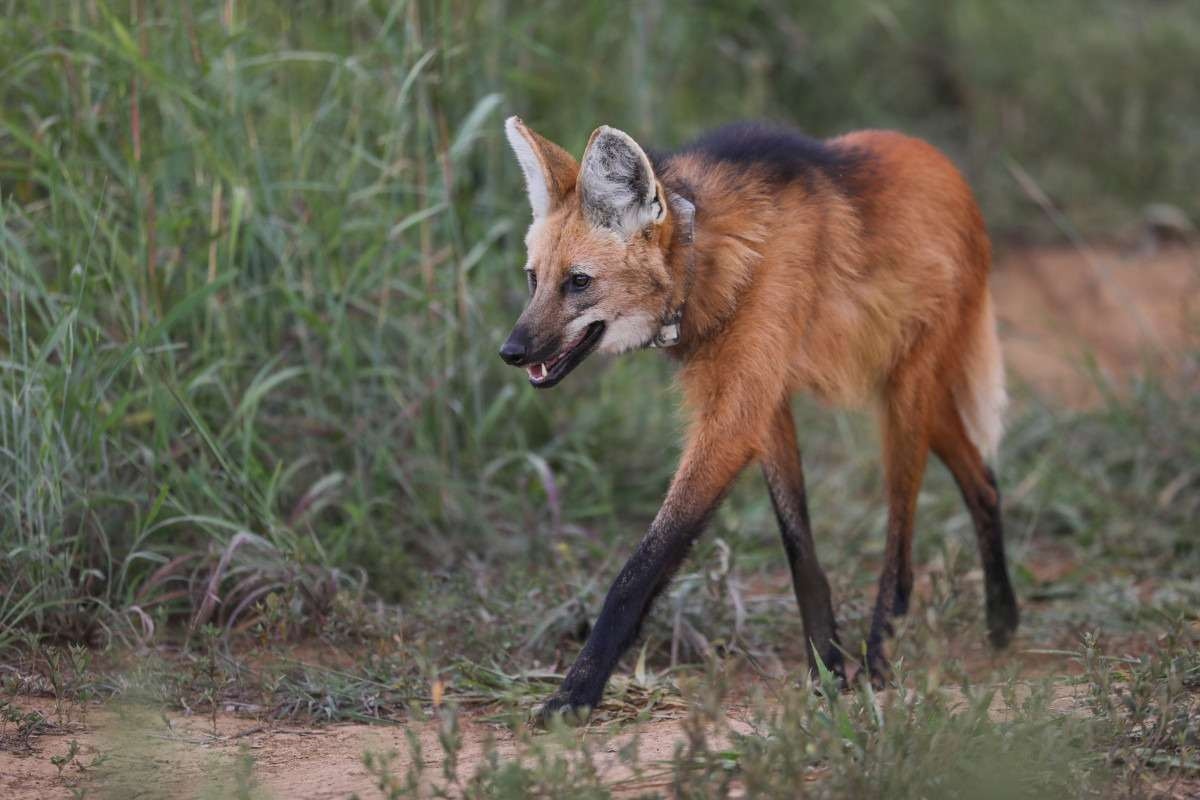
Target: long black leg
<point x="703" y="477"/>
<point x="982" y="498"/>
<point x="905" y="451"/>
<point x="784" y="473"/>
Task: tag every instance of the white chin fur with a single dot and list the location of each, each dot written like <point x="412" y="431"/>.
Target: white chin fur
<point x="627" y="333"/>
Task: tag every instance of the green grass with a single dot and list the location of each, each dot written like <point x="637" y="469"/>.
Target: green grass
<point x="255" y="260"/>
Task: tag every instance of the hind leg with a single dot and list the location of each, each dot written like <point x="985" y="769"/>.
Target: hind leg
<point x="905" y="452"/>
<point x="978" y="487"/>
<point x="782" y="468"/>
<point x="904" y="582"/>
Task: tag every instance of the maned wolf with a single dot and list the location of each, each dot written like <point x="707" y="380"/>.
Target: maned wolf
<point x="855" y="269"/>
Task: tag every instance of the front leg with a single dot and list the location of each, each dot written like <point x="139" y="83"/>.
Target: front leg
<point x="785" y="480"/>
<point x="709" y="465"/>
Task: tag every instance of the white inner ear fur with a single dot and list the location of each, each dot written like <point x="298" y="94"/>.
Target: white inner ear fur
<point x="536" y="182"/>
<point x="617" y="184"/>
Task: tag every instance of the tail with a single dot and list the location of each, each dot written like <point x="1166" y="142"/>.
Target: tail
<point x="980" y="396"/>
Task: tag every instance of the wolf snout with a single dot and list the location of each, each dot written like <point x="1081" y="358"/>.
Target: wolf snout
<point x="515" y="349"/>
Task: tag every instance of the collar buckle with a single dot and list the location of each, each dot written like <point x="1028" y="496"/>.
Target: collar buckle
<point x="668" y="334"/>
<point x="685" y="210"/>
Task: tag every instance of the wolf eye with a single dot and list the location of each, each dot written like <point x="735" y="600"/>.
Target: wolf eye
<point x="580" y="281"/>
<point x="532" y="276"/>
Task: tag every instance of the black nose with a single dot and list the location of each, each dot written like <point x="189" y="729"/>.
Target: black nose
<point x="513" y="351"/>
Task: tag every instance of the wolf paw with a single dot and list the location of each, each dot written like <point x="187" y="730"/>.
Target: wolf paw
<point x="835" y="664"/>
<point x="1002" y="620"/>
<point x="572" y="714"/>
<point x="877" y="670"/>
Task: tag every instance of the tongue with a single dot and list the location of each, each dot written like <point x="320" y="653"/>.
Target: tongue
<point x="537" y="372"/>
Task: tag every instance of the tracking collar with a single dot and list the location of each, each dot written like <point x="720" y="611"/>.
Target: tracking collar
<point x="685" y="213"/>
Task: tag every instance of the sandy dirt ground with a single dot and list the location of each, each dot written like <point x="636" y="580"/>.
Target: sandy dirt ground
<point x="133" y="752"/>
<point x="1058" y="309"/>
<point x="1064" y="312"/>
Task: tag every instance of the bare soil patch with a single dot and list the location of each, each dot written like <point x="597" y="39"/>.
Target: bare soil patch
<point x="1064" y="311"/>
<point x="136" y="752"/>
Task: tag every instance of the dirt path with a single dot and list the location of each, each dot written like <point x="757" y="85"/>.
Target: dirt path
<point x="136" y="752"/>
<point x="1058" y="308"/>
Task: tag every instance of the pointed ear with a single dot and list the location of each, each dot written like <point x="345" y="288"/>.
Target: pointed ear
<point x="617" y="186"/>
<point x="550" y="172"/>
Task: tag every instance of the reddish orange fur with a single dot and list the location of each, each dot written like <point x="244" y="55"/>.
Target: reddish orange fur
<point x="856" y="301"/>
<point x="866" y="292"/>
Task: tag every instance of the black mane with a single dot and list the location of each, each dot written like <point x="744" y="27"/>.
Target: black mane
<point x="779" y="153"/>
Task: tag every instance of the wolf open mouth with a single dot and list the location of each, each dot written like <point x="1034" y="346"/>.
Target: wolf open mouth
<point x="545" y="374"/>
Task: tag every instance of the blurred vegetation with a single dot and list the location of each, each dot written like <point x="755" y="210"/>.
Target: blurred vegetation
<point x="256" y="259"/>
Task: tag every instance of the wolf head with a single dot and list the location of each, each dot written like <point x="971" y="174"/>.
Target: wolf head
<point x="597" y="270"/>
